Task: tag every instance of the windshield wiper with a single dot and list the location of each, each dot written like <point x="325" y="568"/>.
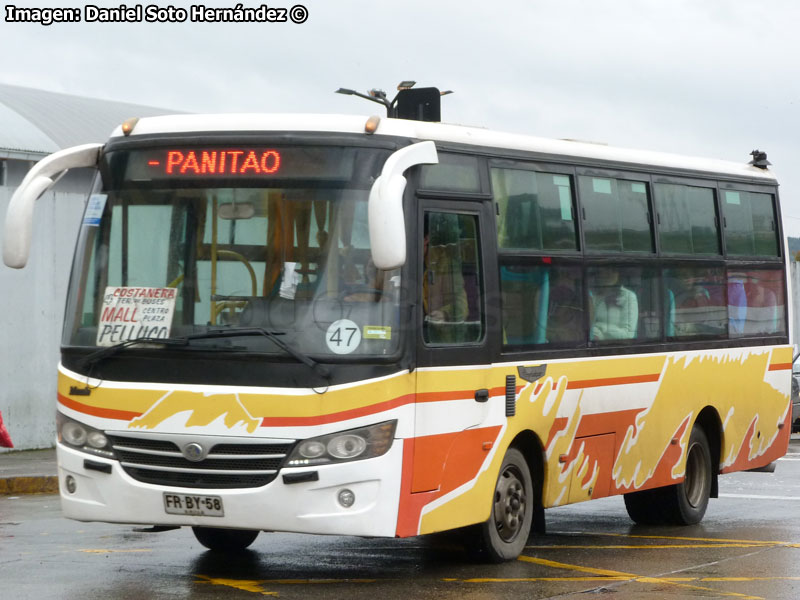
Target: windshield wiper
<point x="318" y="368"/>
<point x="102" y="353"/>
<point x="98" y="355"/>
<point x="183" y="341"/>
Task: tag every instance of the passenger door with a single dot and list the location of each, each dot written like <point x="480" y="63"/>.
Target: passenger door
<point x="454" y="342"/>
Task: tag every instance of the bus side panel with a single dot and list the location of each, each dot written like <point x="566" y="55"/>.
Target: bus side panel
<point x="613" y="425"/>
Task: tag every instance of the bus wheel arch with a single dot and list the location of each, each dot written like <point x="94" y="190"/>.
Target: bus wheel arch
<point x="529" y="444"/>
<point x="709" y="420"/>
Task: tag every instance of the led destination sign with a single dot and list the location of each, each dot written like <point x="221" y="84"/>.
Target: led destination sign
<point x="232" y="162"/>
<point x="218" y="162"/>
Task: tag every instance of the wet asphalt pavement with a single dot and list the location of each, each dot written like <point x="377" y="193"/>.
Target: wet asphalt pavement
<point x="748" y="546"/>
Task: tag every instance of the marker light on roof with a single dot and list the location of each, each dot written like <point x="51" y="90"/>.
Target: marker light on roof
<point x="371" y="126"/>
<point x="127" y="126"/>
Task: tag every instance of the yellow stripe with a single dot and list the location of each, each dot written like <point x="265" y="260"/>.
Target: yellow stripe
<point x="606" y="579"/>
<point x="618" y="575"/>
<point x="239" y="584"/>
<point x="684" y="539"/>
<point x="559" y="565"/>
<point x="645" y="546"/>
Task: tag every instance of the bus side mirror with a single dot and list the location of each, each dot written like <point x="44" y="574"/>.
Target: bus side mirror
<point x="41" y="177"/>
<point x="387" y="229"/>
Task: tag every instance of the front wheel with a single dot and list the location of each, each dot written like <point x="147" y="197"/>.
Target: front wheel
<point x="504" y="534"/>
<point x="225" y="540"/>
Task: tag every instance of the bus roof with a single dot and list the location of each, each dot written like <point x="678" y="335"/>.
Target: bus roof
<point x="441" y="132"/>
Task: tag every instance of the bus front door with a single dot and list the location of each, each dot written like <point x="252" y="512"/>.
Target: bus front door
<point x="453" y="348"/>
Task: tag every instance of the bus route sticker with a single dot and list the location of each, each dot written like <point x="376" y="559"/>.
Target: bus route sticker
<point x="133" y="312"/>
<point x="94" y="209"/>
<point x="343" y="336"/>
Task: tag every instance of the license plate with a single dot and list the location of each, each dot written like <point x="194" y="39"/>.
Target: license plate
<point x="192" y="504"/>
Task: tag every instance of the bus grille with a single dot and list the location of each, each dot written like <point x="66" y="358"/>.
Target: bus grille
<point x="230" y="462"/>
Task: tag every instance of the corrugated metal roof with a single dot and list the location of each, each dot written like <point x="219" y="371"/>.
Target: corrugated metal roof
<point x="38" y="121"/>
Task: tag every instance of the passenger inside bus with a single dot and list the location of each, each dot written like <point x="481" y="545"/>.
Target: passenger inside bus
<point x="696" y="303"/>
<point x="614" y="308"/>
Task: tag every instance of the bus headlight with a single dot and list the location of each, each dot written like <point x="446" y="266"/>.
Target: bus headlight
<point x="82" y="437"/>
<point x="354" y="444"/>
<point x="73" y="433"/>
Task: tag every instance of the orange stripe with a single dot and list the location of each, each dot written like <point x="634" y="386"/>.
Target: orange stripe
<point x="780" y="367"/>
<point x="106" y="413"/>
<point x="124" y="415"/>
<point x="376" y="408"/>
<point x="338" y="416"/>
<point x="444" y="396"/>
<point x="461" y="395"/>
<point x="587" y="383"/>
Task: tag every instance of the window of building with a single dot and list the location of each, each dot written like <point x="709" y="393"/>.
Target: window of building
<point x="687" y="219"/>
<point x="616" y="215"/>
<point x="534" y="210"/>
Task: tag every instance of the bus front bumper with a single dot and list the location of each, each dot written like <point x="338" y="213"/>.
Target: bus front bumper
<point x="300" y="506"/>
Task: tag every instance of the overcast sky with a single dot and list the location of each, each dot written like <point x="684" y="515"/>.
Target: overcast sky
<point x="714" y="78"/>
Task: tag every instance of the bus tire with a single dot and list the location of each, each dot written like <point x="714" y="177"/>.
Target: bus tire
<point x="504" y="535"/>
<point x="684" y="503"/>
<point x="689" y="499"/>
<point x="645" y="508"/>
<point x="225" y="540"/>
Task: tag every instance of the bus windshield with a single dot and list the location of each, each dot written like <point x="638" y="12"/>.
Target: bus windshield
<point x="181" y="241"/>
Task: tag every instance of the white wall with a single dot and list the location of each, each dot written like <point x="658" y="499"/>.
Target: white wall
<point x="31" y="313"/>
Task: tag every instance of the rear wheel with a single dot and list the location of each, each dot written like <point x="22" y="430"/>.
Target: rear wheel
<point x="681" y="504"/>
<point x="504" y="534"/>
<point x="691" y="496"/>
<point x="224" y="540"/>
<point x="645" y="508"/>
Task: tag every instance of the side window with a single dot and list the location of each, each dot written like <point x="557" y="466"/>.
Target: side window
<point x="534" y="210"/>
<point x="453" y="172"/>
<point x="616" y="216"/>
<point x="695" y="302"/>
<point x="756" y="302"/>
<point x="687" y="219"/>
<point x="750" y="228"/>
<point x="623" y="304"/>
<point x="542" y="304"/>
<point x="452" y="280"/>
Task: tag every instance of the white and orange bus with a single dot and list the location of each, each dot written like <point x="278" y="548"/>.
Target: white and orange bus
<point x="382" y="327"/>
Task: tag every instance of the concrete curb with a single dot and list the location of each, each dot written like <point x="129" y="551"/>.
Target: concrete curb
<point x="28" y="472"/>
<point x="11" y="486"/>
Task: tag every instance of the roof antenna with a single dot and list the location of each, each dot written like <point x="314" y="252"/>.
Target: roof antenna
<point x="419" y="104"/>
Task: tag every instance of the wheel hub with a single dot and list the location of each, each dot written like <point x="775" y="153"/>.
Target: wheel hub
<point x="510" y="504"/>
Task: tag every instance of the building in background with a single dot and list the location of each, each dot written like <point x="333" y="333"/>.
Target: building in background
<point x="33" y="124"/>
